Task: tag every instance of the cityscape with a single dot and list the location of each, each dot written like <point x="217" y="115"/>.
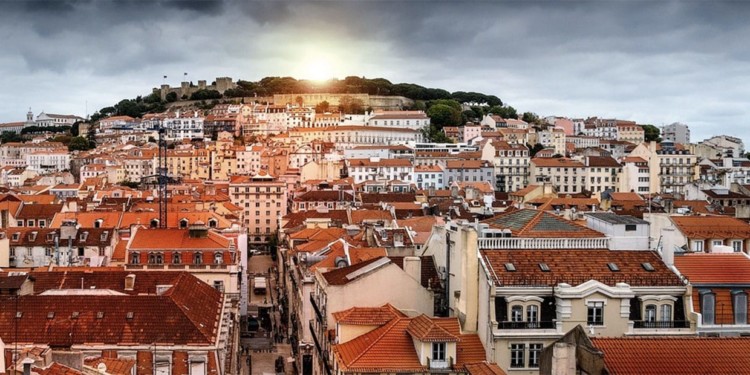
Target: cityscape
<point x="343" y="217"/>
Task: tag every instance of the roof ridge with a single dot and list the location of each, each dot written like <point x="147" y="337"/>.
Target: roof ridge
<point x="534" y="220"/>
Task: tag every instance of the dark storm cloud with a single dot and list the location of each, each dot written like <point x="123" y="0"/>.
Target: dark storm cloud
<point x="650" y="61"/>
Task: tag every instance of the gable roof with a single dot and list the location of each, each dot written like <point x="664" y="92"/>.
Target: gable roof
<point x="576" y="267"/>
<point x="665" y="355"/>
<point x="342" y="276"/>
<point x="423" y="328"/>
<point x="368" y="315"/>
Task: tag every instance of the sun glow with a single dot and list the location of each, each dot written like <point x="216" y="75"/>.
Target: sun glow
<point x="317" y="68"/>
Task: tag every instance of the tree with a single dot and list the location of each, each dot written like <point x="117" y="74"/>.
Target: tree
<point x="205" y="95"/>
<point x="435" y="135"/>
<point x="7" y="136"/>
<point x="300" y="101"/>
<point x="530" y="117"/>
<point x="350" y="105"/>
<point x="442" y="115"/>
<point x="130" y="184"/>
<point x="78" y="144"/>
<point x="504" y="111"/>
<point x="534" y="149"/>
<point x="651" y="133"/>
<point x="322" y="107"/>
<point x="171" y="97"/>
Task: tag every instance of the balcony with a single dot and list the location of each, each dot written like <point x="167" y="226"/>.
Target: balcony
<point x="663" y="324"/>
<point x="543" y="243"/>
<point x="527" y="325"/>
<point x="318" y="313"/>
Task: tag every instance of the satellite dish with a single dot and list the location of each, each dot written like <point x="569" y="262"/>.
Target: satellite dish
<point x="101" y="367"/>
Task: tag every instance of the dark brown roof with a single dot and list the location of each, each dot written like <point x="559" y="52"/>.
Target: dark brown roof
<point x="38" y="211"/>
<point x="577" y="266"/>
<point x="325" y="196"/>
<point x="375" y="198"/>
<point x="298" y="218"/>
<point x="338" y="276"/>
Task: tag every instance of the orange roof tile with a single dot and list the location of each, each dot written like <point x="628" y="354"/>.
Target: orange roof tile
<point x="714" y="268"/>
<point x="427" y="329"/>
<point x="114" y="366"/>
<point x="706" y="227"/>
<point x="669" y="355"/>
<point x="368" y="315"/>
<point x="148" y="239"/>
<point x="483" y="368"/>
<point x="529" y="223"/>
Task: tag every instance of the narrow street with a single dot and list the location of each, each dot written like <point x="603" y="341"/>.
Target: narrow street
<point x="263" y="345"/>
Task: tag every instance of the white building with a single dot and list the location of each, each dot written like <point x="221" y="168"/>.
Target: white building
<point x="48" y="161"/>
<point x="377" y="169"/>
<point x="676" y="132"/>
<point x="429" y="176"/>
<point x="49" y="119"/>
<point x="400" y="119"/>
<point x="184" y="124"/>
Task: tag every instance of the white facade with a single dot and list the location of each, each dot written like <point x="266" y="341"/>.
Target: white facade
<point x="48" y="161"/>
<point x="676" y="132"/>
<point x="49" y="119"/>
<point x="182" y="125"/>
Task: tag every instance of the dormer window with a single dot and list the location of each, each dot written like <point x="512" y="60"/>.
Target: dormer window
<point x="104" y="236"/>
<point x="51" y="236"/>
<point x="438" y="354"/>
<point x="198" y="258"/>
<point x="98" y="223"/>
<point x="218" y="258"/>
<point x="83" y="236"/>
<point x="32" y="236"/>
<point x="154" y="223"/>
<point x="16" y="236"/>
<point x="183" y="223"/>
<point x="212" y="223"/>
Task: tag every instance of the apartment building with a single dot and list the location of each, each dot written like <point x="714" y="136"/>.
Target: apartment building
<point x="676" y="133"/>
<point x="377" y="169"/>
<point x="263" y="200"/>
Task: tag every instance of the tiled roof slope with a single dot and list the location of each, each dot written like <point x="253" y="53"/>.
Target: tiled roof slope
<point x="188" y="313"/>
<point x="705" y="227"/>
<point x="714" y="268"/>
<point x="483" y="368"/>
<point x="425" y="329"/>
<point x="368" y="315"/>
<point x="102" y="278"/>
<point x="577" y="266"/>
<point x="540" y="224"/>
<point x="115" y="366"/>
<point x="146" y="239"/>
<point x="675" y="355"/>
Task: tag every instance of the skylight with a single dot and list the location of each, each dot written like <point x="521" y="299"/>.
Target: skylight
<point x="544" y="267"/>
<point x="648" y="267"/>
<point x="510" y="267"/>
<point x="613" y="267"/>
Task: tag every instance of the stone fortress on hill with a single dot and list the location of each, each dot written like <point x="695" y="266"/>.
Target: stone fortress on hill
<point x="223" y="84"/>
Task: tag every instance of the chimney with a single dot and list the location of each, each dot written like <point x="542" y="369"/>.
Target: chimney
<point x="27" y="366"/>
<point x="413" y="267"/>
<point x="130" y="282"/>
<point x="667" y="246"/>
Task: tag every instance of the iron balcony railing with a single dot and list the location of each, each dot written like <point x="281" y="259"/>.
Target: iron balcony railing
<point x="526" y="325"/>
<point x="661" y="324"/>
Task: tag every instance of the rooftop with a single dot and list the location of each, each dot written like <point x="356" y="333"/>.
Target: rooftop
<point x="613" y="218"/>
<point x="731" y="268"/>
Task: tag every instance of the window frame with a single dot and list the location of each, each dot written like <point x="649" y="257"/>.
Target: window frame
<point x="517" y="355"/>
<point x="704" y="295"/>
<point x="741" y="313"/>
<point x="592" y="318"/>
<point x="439" y="350"/>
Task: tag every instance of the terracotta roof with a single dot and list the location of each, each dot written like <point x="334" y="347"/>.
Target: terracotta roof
<point x="375" y="198"/>
<point x="379" y="162"/>
<point x="114" y="366"/>
<point x="625" y="196"/>
<point x="187" y="313"/>
<point x="368" y="315"/>
<point x="359" y="216"/>
<point x="385" y="349"/>
<point x="147" y="239"/>
<point x="483" y="368"/>
<point x="464" y="164"/>
<point x="529" y="223"/>
<point x="8" y="282"/>
<point x="706" y="227"/>
<point x="423" y="328"/>
<point x="576" y="267"/>
<point x="87" y="219"/>
<point x="714" y="268"/>
<point x="342" y="276"/>
<point x="55" y="369"/>
<point x="556" y="162"/>
<point x="602" y="161"/>
<point x="669" y="355"/>
<point x="324" y="196"/>
<point x="298" y="218"/>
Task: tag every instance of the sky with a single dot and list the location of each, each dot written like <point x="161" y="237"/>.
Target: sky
<point x="654" y="62"/>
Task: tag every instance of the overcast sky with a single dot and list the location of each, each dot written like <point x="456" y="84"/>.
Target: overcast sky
<point x="650" y="61"/>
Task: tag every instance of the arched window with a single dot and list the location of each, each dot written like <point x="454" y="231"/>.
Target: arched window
<point x="218" y="258"/>
<point x="198" y="258"/>
<point x="532" y="314"/>
<point x="212" y="223"/>
<point x="98" y="223"/>
<point x="516" y="313"/>
<point x="176" y="258"/>
<point x="707" y="308"/>
<point x="666" y="312"/>
<point x="154" y="223"/>
<point x="650" y="315"/>
<point x="135" y="258"/>
<point x="183" y="223"/>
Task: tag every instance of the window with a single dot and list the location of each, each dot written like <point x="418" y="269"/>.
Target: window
<point x="532" y="315"/>
<point x="516" y="313"/>
<point x="535" y="353"/>
<point x="176" y="258"/>
<point x="666" y="312"/>
<point x="650" y="315"/>
<point x="737" y="246"/>
<point x="183" y="223"/>
<point x="19" y="223"/>
<point x="198" y="258"/>
<point x="595" y="313"/>
<point x="717" y="243"/>
<point x="30" y="223"/>
<point x="516" y="355"/>
<point x="438" y="351"/>
<point x="135" y="258"/>
<point x="739" y="301"/>
<point x="697" y="245"/>
<point x="218" y="258"/>
<point x="630" y="227"/>
<point x="707" y="307"/>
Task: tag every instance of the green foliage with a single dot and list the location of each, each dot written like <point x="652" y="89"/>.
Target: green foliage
<point x="78" y="144"/>
<point x="534" y="149"/>
<point x="74" y="128"/>
<point x="651" y="133"/>
<point x="476" y="98"/>
<point x="442" y="115"/>
<point x="530" y="117"/>
<point x="205" y="95"/>
<point x="171" y="97"/>
<point x="433" y="134"/>
<point x="44" y="129"/>
<point x="7" y="136"/>
<point x="504" y="111"/>
<point x="152" y="98"/>
<point x="64" y="139"/>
